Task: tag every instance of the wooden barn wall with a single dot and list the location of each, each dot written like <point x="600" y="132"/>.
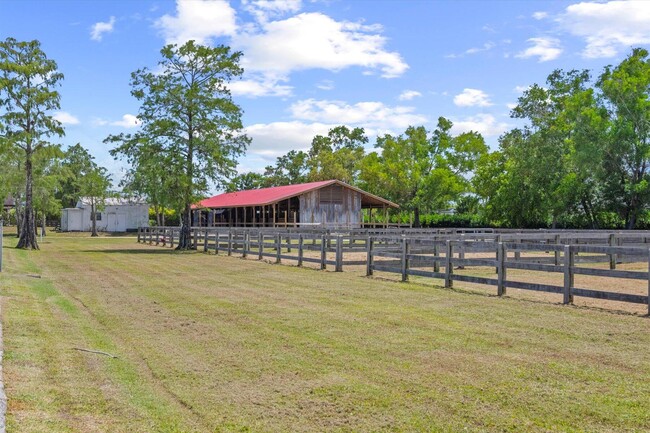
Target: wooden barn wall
<point x="332" y="205"/>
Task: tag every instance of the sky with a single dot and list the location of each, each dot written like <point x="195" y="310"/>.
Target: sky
<point x="311" y="65"/>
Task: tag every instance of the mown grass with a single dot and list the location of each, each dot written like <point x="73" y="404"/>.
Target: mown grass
<point x="220" y="344"/>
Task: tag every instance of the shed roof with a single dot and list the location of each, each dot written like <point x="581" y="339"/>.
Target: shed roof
<point x="268" y="196"/>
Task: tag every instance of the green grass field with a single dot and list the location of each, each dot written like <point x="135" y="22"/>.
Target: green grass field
<point x="221" y="344"/>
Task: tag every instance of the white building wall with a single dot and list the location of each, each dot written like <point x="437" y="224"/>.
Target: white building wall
<point x="113" y="218"/>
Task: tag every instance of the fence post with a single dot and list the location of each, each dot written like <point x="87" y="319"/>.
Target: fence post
<point x="369" y="260"/>
<point x="260" y="245"/>
<point x="139" y="233"/>
<point x="436" y="263"/>
<point x="301" y="241"/>
<point x="171" y="242"/>
<point x="501" y="268"/>
<point x="205" y="240"/>
<point x="289" y="242"/>
<point x="1" y="239"/>
<point x="339" y="254"/>
<point x="648" y="277"/>
<point x="448" y="269"/>
<point x="612" y="257"/>
<point x="405" y="262"/>
<point x="557" y="252"/>
<point x="323" y="252"/>
<point x="461" y="251"/>
<point x="150" y="234"/>
<point x="244" y="253"/>
<point x="230" y="242"/>
<point x="568" y="274"/>
<point x="278" y="248"/>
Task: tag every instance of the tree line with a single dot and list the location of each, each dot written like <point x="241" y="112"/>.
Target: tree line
<point x="580" y="160"/>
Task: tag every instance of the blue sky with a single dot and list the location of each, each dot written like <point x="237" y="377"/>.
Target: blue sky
<point x="312" y="65"/>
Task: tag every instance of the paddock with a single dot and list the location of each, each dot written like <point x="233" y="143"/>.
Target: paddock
<point x="593" y="268"/>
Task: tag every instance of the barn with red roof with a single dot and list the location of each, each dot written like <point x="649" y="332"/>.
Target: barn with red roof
<point x="330" y="203"/>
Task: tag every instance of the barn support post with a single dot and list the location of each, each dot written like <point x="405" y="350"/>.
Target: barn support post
<point x="339" y="254"/>
<point x="323" y="252"/>
<point x="275" y="221"/>
<point x="301" y="241"/>
<point x="369" y="258"/>
<point x="501" y="269"/>
<point x="568" y="274"/>
<point x="448" y="269"/>
<point x="385" y="217"/>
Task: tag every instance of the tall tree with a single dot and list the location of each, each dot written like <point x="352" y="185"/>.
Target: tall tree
<point x="288" y="169"/>
<point x="421" y="171"/>
<point x="188" y="114"/>
<point x="626" y="96"/>
<point x="95" y="187"/>
<point x="76" y="162"/>
<point x="337" y="155"/>
<point x="27" y="82"/>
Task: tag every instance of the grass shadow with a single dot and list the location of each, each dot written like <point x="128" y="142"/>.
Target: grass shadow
<point x="137" y="251"/>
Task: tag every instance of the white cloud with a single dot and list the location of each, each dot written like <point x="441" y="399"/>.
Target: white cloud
<point x="314" y="40"/>
<point x="128" y="121"/>
<point x="263" y="10"/>
<point x="545" y="48"/>
<point x="608" y="28"/>
<point x="262" y="85"/>
<point x="520" y="89"/>
<point x="271" y="140"/>
<point x="511" y="105"/>
<point x="200" y="20"/>
<point x="540" y="15"/>
<point x="98" y="29"/>
<point x="472" y="98"/>
<point x="407" y="95"/>
<point x="474" y="50"/>
<point x="325" y="85"/>
<point x="485" y="124"/>
<point x="365" y="114"/>
<point x="65" y="118"/>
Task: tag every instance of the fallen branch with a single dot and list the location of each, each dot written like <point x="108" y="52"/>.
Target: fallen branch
<point x="99" y="352"/>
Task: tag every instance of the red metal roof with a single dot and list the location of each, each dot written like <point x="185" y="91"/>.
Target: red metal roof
<point x="266" y="196"/>
<point x="261" y="197"/>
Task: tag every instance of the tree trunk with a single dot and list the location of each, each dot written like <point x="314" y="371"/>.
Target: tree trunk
<point x="94" y="217"/>
<point x="27" y="239"/>
<point x="416" y="217"/>
<point x="185" y="240"/>
<point x="44" y="221"/>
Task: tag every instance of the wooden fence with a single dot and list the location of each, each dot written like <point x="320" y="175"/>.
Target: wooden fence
<point x="436" y="254"/>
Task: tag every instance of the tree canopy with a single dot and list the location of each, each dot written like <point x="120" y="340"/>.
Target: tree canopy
<point x="190" y="126"/>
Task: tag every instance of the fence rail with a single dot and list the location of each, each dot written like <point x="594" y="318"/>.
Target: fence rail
<point x="436" y="254"/>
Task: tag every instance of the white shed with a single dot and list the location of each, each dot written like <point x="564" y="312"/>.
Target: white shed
<point x="118" y="215"/>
